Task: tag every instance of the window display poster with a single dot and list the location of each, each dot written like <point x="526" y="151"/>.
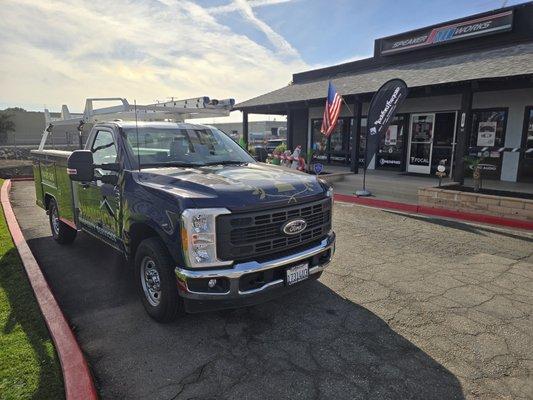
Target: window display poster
<point x="486" y="133"/>
<point x="391" y="136"/>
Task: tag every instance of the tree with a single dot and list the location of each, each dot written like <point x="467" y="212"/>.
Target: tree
<point x="6" y="126"/>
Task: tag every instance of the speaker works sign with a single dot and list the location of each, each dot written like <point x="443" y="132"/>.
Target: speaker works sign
<point x="482" y="26"/>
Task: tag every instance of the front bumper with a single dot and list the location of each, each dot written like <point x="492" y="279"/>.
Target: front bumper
<point x="232" y="294"/>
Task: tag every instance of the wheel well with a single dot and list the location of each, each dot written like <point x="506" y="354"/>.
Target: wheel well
<point x="137" y="233"/>
<point x="47" y="198"/>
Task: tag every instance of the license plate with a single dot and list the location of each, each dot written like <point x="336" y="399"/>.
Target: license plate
<point x="297" y="273"/>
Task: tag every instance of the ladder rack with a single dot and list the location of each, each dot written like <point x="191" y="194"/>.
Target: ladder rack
<point x="174" y="111"/>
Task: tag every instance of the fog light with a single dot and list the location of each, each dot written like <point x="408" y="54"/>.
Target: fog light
<point x="212" y="283"/>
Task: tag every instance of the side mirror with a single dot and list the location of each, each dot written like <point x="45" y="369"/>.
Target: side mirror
<point x="80" y="166"/>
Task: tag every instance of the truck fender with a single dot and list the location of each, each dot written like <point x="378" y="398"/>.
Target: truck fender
<point x="137" y="231"/>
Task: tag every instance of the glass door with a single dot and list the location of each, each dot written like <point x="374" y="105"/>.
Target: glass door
<point x="420" y="143"/>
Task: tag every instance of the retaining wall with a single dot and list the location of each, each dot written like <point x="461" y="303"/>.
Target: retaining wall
<point x="499" y="206"/>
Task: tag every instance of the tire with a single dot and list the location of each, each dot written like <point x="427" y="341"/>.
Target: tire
<point x="154" y="273"/>
<point x="61" y="232"/>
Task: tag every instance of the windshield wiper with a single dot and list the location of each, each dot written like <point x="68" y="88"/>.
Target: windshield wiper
<point x="170" y="164"/>
<point x="226" y="162"/>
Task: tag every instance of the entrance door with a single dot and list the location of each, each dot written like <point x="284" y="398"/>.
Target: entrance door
<point x="526" y="161"/>
<point x="420" y="143"/>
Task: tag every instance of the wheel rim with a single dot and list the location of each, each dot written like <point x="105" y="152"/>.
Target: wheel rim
<point x="55" y="221"/>
<point x="150" y="281"/>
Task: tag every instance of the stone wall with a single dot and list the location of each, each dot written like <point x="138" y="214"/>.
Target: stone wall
<point x="499" y="206"/>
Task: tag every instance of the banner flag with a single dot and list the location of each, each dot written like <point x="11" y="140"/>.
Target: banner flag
<point x="383" y="107"/>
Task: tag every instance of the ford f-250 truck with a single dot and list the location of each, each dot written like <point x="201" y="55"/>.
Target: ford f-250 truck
<point x="204" y="225"/>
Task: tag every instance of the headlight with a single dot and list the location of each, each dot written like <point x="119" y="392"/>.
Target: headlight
<point x="199" y="237"/>
<point x="329" y="193"/>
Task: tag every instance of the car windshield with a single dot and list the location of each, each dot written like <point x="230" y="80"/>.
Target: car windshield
<point x="184" y="147"/>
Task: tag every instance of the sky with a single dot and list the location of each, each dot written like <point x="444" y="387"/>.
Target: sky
<point x="58" y="52"/>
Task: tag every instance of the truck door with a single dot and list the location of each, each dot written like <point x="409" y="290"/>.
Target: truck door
<point x="99" y="202"/>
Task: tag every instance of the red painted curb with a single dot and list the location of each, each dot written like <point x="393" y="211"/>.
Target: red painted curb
<point x="438" y="212"/>
<point x="77" y="378"/>
<point x="22" y="178"/>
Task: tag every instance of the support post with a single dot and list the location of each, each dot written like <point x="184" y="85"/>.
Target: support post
<point x="290" y="131"/>
<point x="356" y="139"/>
<point x="245" y="129"/>
<point x="464" y="130"/>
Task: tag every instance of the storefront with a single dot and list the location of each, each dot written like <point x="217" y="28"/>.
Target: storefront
<point x="470" y="100"/>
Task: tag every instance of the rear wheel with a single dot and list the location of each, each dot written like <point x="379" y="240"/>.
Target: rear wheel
<point x="61" y="232"/>
<point x="154" y="271"/>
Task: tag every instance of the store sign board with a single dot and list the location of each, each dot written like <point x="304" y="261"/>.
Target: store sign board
<point x="488" y="25"/>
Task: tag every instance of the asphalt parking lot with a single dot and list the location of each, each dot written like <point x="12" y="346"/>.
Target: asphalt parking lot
<point x="410" y="308"/>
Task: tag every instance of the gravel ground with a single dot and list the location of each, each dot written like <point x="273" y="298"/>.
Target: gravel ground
<point x="410" y="308"/>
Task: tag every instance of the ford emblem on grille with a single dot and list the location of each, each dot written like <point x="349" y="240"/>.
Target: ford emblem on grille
<point x="294" y="227"/>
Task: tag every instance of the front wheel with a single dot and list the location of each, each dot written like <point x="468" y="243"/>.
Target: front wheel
<point x="154" y="271"/>
<point x="61" y="232"/>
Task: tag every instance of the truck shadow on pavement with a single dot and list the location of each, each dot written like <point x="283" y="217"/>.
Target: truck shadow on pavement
<point x="24" y="313"/>
<point x="312" y="343"/>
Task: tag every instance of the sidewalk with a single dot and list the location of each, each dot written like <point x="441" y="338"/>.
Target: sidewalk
<point x="402" y="187"/>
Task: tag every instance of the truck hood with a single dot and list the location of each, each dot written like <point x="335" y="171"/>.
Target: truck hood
<point x="235" y="187"/>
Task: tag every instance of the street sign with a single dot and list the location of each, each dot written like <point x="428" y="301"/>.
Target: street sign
<point x="318" y="168"/>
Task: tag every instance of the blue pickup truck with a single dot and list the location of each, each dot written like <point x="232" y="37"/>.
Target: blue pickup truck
<point x="204" y="225"/>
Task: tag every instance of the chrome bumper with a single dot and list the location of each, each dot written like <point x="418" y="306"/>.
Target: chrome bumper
<point x="238" y="270"/>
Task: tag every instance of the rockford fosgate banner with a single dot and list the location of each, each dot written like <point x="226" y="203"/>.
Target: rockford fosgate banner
<point x="381" y="112"/>
<point x="482" y="26"/>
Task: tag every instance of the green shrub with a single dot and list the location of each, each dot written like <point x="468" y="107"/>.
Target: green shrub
<point x="281" y="148"/>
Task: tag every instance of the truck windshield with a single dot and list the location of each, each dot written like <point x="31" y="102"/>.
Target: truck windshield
<point x="184" y="147"/>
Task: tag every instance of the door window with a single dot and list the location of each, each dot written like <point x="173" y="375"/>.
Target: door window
<point x="421" y="143"/>
<point x="104" y="149"/>
<point x="104" y="152"/>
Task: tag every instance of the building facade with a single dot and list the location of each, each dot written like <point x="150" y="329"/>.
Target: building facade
<point x="470" y="98"/>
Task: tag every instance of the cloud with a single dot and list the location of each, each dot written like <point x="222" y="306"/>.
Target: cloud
<point x="252" y="3"/>
<point x="61" y="51"/>
<point x="244" y="7"/>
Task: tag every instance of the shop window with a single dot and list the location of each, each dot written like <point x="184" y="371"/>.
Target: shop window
<point x="488" y="128"/>
<point x="390" y="152"/>
<point x="336" y="148"/>
<point x="487" y="136"/>
<point x="362" y="142"/>
<point x="526" y="162"/>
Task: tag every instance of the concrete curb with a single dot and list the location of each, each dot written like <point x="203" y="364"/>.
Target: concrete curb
<point x="437" y="212"/>
<point x="77" y="378"/>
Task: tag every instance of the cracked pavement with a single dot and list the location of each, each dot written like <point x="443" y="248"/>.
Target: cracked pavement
<point x="410" y="308"/>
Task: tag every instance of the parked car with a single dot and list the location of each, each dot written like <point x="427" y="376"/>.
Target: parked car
<point x="273" y="143"/>
<point x="260" y="153"/>
<point x="204" y="225"/>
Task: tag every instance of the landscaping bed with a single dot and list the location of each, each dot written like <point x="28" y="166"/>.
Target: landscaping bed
<point x="29" y="367"/>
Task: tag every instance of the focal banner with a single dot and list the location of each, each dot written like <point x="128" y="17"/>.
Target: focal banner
<point x="382" y="110"/>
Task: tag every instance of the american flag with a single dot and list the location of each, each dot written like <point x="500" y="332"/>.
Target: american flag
<point x="331" y="111"/>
